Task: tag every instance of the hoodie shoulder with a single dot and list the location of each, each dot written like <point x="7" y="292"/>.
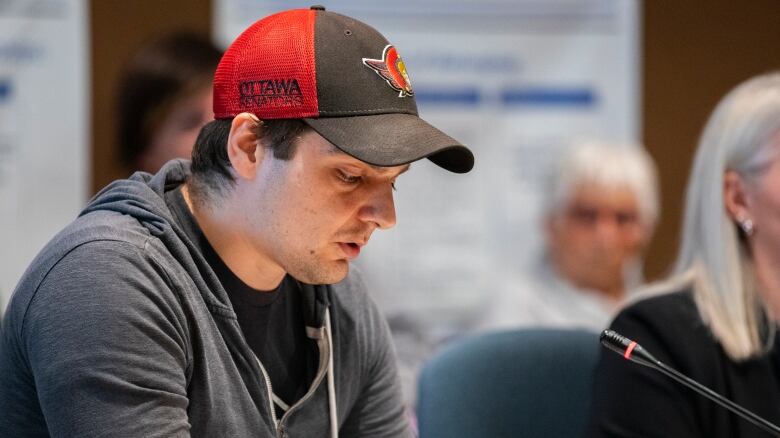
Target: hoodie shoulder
<point x="124" y="217"/>
<point x="357" y="314"/>
<point x="85" y="257"/>
<point x="351" y="294"/>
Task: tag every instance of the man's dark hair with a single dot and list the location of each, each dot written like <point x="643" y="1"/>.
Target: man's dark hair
<point x="212" y="174"/>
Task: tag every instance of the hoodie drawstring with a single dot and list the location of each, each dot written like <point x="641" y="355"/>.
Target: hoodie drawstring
<point x="334" y="427"/>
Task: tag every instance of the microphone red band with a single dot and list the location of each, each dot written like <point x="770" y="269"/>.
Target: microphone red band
<point x="629" y="349"/>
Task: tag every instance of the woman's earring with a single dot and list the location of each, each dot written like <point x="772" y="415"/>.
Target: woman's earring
<point x="746" y="225"/>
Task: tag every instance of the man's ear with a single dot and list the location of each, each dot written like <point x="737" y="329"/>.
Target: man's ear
<point x="735" y="196"/>
<point x="243" y="147"/>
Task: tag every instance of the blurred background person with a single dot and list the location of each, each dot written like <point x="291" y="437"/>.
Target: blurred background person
<point x="164" y="99"/>
<point x="598" y="219"/>
<point x="715" y="319"/>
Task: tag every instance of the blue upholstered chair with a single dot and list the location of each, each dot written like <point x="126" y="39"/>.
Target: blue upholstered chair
<point x="520" y="383"/>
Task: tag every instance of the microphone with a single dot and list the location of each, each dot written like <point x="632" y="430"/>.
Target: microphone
<point x="634" y="352"/>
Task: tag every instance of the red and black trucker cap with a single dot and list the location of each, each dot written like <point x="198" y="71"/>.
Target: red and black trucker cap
<point x="342" y="77"/>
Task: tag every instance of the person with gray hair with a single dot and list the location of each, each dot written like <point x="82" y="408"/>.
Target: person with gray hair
<point x="715" y="318"/>
<point x="598" y="219"/>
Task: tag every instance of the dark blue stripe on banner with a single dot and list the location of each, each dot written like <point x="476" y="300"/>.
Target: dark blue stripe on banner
<point x="548" y="97"/>
<point x="460" y="96"/>
<point x="5" y="89"/>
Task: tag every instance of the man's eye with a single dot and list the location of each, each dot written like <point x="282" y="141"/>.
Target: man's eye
<point x="584" y="215"/>
<point x="392" y="184"/>
<point x="626" y="218"/>
<point x="347" y="178"/>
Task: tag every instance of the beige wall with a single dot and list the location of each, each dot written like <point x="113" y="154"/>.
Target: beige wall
<point x="693" y="52"/>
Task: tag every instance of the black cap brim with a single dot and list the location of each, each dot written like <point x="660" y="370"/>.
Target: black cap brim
<point x="393" y="140"/>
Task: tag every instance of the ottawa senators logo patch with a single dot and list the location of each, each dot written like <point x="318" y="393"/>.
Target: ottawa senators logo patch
<point x="393" y="70"/>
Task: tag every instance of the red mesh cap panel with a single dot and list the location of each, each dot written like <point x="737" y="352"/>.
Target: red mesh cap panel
<point x="269" y="70"/>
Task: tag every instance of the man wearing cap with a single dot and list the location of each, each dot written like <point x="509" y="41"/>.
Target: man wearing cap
<point x="216" y="299"/>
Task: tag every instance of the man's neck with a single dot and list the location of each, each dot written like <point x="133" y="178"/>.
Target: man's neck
<point x="613" y="291"/>
<point x="244" y="260"/>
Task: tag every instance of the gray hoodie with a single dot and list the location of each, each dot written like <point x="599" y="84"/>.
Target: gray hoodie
<point x="120" y="328"/>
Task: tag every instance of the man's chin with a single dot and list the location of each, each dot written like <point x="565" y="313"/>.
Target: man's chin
<point x="330" y="273"/>
<point x="338" y="274"/>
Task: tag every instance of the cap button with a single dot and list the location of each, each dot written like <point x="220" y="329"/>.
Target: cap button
<point x="317" y="8"/>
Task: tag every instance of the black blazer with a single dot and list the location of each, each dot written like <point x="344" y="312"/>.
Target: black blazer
<point x="635" y="401"/>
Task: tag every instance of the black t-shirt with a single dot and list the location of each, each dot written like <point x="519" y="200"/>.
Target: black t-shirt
<point x="271" y="321"/>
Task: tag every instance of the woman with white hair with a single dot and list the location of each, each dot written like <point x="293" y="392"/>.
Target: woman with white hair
<point x="715" y="319"/>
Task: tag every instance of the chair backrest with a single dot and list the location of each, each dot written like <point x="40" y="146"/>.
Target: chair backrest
<point x="520" y="383"/>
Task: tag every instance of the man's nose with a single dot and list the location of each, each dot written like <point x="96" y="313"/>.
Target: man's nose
<point x="607" y="229"/>
<point x="380" y="208"/>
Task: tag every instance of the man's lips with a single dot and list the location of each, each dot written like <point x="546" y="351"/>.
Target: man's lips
<point x="350" y="249"/>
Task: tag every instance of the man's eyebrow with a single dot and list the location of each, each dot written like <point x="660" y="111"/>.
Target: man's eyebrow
<point x="407" y="167"/>
<point x="334" y="150"/>
<point x="386" y="169"/>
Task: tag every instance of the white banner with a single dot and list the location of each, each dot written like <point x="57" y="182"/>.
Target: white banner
<point x="44" y="162"/>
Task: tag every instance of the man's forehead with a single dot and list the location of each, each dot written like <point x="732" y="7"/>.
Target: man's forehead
<point x="590" y="193"/>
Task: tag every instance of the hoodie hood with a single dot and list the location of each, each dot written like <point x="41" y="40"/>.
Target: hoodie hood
<point x="142" y="196"/>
